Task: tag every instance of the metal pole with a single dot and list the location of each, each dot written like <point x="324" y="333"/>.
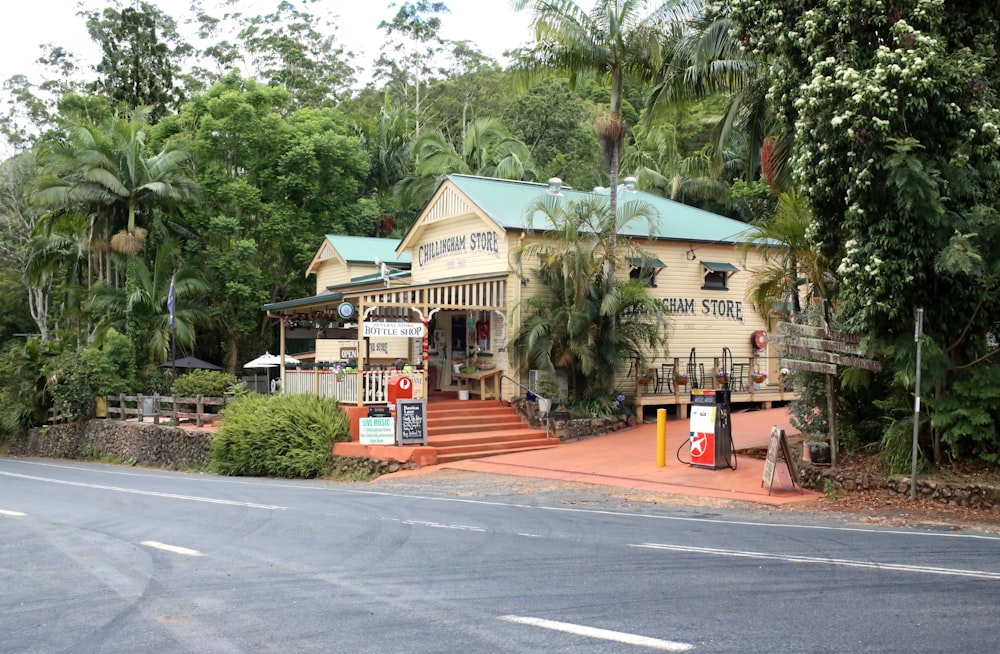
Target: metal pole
<point x="918" y="328"/>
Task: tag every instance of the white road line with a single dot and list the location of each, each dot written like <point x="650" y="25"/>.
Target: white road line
<point x="603" y="634"/>
<point x="12" y="514"/>
<point x="527" y="535"/>
<point x="436" y="525"/>
<point x="170" y="548"/>
<point x="791" y="558"/>
<point x="135" y="491"/>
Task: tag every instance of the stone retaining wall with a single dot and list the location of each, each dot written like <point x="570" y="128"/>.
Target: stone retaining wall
<point x="133" y="442"/>
<point x="972" y="496"/>
<point x="573" y="429"/>
<point x="360" y="467"/>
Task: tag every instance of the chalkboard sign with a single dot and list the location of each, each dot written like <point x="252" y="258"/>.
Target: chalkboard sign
<point x="411" y="422"/>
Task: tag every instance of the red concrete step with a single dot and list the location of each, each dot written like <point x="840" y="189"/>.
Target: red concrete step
<point x="498" y="436"/>
<point x="447" y="457"/>
<point x="472" y="429"/>
<point x="472" y="424"/>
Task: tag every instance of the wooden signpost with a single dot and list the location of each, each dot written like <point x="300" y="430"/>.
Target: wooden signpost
<point x="778" y="441"/>
<point x="822" y="350"/>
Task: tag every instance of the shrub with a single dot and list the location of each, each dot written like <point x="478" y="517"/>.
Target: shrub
<point x="278" y="436"/>
<point x="75" y="377"/>
<point x="210" y="383"/>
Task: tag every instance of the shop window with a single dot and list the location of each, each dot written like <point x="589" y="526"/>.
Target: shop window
<point x="716" y="275"/>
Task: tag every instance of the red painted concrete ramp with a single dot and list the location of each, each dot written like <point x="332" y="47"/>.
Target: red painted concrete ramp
<point x="627" y="459"/>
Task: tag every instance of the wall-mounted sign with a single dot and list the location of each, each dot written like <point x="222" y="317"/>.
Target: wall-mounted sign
<point x="475" y="243"/>
<point x="686" y="306"/>
<point x="393" y="329"/>
<point x="348" y="353"/>
<point x="345" y="310"/>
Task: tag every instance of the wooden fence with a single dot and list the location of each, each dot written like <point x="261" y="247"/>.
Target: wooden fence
<point x="158" y="408"/>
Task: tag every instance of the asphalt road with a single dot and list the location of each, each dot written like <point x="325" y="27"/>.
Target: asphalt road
<point x="97" y="558"/>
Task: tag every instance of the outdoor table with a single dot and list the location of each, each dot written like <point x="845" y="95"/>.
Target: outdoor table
<point x="489" y="382"/>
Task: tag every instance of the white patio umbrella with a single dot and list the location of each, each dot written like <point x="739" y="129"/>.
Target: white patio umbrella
<point x="267" y="360"/>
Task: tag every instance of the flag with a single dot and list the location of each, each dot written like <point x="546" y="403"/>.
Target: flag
<point x="171" y="300"/>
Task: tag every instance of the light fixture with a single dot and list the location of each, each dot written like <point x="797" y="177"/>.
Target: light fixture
<point x="524" y="281"/>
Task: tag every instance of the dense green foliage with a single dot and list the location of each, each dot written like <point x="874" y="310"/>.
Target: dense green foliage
<point x="864" y="151"/>
<point x="894" y="120"/>
<point x="208" y="383"/>
<point x="278" y="436"/>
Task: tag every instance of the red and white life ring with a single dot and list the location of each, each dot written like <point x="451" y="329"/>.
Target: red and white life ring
<point x="759" y="339"/>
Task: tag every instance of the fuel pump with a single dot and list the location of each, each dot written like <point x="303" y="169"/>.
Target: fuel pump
<point x="711" y="433"/>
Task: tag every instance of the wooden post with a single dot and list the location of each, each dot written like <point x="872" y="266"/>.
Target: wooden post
<point x="199" y="409"/>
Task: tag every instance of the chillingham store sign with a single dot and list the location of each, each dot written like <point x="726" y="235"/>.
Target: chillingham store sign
<point x="476" y="243"/>
<point x="393" y="329"/>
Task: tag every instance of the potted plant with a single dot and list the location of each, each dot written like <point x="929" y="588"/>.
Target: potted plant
<point x="721" y="378"/>
<point x="758" y="377"/>
<point x="816" y="449"/>
<point x="546" y="390"/>
<point x="645" y="379"/>
<point x="561" y="412"/>
<point x="681" y="379"/>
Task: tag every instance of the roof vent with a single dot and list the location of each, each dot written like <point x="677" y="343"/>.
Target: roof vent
<point x="630" y="184"/>
<point x="555" y="185"/>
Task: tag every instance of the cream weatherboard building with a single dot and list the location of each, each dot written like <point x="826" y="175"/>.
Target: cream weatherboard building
<point x="445" y="297"/>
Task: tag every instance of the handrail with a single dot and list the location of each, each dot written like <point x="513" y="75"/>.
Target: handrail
<point x="548" y="417"/>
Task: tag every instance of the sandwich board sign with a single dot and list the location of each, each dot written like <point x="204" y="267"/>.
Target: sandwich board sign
<point x="778" y="442"/>
<point x="377" y="428"/>
<point x="411" y="422"/>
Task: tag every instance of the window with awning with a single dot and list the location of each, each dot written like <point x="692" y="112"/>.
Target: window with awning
<point x="716" y="275"/>
<point x="645" y="269"/>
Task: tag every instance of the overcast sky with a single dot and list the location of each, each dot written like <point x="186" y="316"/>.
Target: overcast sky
<point x="491" y="24"/>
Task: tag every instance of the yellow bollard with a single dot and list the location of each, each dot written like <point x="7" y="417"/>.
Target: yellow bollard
<point x="661" y="438"/>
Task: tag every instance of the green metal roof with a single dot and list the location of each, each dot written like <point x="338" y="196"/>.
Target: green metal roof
<point x="716" y="266"/>
<point x="505" y="202"/>
<point x="304" y="301"/>
<point x="368" y="279"/>
<point x="365" y="249"/>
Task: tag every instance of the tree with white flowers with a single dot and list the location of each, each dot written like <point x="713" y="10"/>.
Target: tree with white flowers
<point x="894" y="111"/>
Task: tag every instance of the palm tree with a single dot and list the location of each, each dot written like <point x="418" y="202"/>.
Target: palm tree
<point x="789" y="260"/>
<point x="488" y="149"/>
<point x="707" y="60"/>
<point x="114" y="308"/>
<point x="617" y="38"/>
<point x="660" y="168"/>
<point x="107" y="172"/>
<point x="584" y="323"/>
<point x="389" y="154"/>
<point x="58" y="254"/>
